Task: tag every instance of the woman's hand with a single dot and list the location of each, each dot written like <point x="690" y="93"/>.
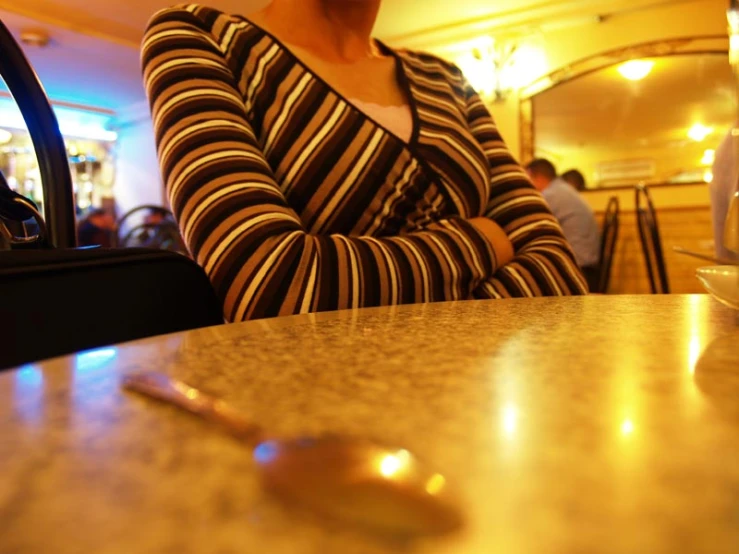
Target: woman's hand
<point x="497" y="237"/>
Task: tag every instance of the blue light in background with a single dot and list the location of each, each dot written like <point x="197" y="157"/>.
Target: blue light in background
<point x="27" y="400"/>
<point x="29" y="377"/>
<point x="266" y="452"/>
<point x="73" y="122"/>
<point x="95" y="359"/>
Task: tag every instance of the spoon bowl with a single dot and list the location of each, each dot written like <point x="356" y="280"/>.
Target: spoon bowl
<point x="357" y="481"/>
<point x="361" y="482"/>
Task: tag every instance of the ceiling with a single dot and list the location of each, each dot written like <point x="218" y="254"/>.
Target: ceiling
<point x="93" y="57"/>
<point x="81" y="69"/>
<point x="125" y="20"/>
<point x="604" y="115"/>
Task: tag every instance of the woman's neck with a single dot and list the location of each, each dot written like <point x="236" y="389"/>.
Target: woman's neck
<point x="338" y="29"/>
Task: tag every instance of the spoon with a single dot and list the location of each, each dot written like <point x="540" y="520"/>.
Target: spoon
<point x="358" y="481"/>
<point x="718" y="261"/>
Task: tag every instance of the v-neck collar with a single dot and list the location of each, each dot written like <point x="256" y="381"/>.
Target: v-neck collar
<point x="406" y="78"/>
<point x="402" y="74"/>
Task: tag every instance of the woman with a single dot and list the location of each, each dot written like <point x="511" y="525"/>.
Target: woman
<point x="313" y="168"/>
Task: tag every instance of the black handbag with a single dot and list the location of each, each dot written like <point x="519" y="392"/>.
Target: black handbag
<point x="57" y="299"/>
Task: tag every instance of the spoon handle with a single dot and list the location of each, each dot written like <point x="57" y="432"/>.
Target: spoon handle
<point x="172" y="391"/>
<point x="719" y="261"/>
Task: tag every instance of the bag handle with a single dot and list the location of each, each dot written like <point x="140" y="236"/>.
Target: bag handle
<point x="56" y="179"/>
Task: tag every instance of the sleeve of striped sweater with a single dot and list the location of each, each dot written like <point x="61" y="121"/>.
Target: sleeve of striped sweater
<point x="544" y="264"/>
<point x="237" y="222"/>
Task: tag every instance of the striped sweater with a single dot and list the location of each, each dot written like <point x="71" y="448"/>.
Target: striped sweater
<point x="294" y="201"/>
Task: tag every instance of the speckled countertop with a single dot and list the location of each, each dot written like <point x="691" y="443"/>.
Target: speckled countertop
<point x="577" y="425"/>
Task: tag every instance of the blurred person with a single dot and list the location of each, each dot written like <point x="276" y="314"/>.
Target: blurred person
<point x="574" y="214"/>
<point x="155" y="216"/>
<point x="160" y="231"/>
<point x="152" y="221"/>
<point x="96" y="229"/>
<point x="11" y="214"/>
<point x="575" y="178"/>
<point x="312" y="167"/>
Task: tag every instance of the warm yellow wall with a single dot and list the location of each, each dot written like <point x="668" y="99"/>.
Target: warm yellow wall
<point x="701" y="17"/>
<point x="506" y="117"/>
<point x="669" y="160"/>
<point x="562" y="47"/>
<point x="684" y="227"/>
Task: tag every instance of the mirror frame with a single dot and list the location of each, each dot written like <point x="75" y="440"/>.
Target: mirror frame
<point x="704" y="44"/>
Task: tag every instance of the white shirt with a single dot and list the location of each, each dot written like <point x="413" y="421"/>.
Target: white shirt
<point x="577" y="221"/>
<point x="396" y="119"/>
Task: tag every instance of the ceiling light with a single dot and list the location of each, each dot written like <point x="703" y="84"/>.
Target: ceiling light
<point x="708" y="176"/>
<point x="73" y="122"/>
<point x="497" y="69"/>
<point x="627" y="427"/>
<point x="636" y="70"/>
<point x="478" y="73"/>
<point x="699" y="132"/>
<point x="5" y="136"/>
<point x="34" y="37"/>
<point x="709" y="156"/>
<point x="527" y="64"/>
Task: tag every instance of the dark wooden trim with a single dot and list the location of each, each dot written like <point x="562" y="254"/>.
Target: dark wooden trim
<point x="651" y="49"/>
<point x="663" y="209"/>
<point x="650" y="185"/>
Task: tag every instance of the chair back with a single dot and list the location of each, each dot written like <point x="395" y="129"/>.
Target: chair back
<point x="164" y="235"/>
<point x="59" y="299"/>
<point x="651" y="242"/>
<point x="48" y="144"/>
<point x="608" y="238"/>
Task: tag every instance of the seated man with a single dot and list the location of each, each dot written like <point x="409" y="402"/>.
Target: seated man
<point x="574" y="215"/>
<point x="574" y="178"/>
<point x="159" y="230"/>
<point x="96" y="229"/>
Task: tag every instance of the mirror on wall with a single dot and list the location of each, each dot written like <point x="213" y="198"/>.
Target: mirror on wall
<point x="654" y="119"/>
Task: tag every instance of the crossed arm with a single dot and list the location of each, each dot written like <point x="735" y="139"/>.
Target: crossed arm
<point x="254" y="247"/>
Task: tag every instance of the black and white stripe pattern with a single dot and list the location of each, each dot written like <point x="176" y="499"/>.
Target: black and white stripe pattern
<point x="295" y="201"/>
